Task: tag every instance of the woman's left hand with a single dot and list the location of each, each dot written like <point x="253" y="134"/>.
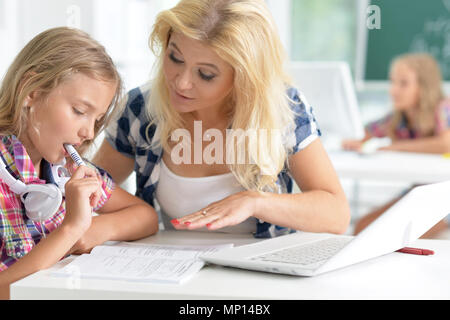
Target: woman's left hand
<point x="230" y="211"/>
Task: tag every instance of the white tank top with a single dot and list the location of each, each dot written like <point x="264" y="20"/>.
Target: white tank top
<point x="178" y="196"/>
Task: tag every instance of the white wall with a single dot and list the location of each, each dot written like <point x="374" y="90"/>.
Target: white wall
<point x="36" y="16"/>
<point x="8" y="34"/>
<point x="281" y="12"/>
<point x="122" y="26"/>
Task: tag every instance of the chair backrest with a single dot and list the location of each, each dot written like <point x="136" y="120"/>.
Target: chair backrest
<point x="328" y="87"/>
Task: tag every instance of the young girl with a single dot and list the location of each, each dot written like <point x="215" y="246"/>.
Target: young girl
<point x="60" y="90"/>
<point x="420" y="121"/>
<point x="220" y="72"/>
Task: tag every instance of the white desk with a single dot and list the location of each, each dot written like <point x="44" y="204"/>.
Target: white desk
<point x="393" y="276"/>
<point x="391" y="166"/>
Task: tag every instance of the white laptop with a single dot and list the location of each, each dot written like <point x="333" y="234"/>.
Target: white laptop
<point x="309" y="254"/>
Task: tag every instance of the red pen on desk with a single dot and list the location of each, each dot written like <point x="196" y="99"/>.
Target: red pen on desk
<point x="423" y="252"/>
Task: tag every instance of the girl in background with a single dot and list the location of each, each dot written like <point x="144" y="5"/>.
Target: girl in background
<point x="419" y="122"/>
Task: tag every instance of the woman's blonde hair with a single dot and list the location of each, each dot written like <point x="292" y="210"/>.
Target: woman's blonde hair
<point x="429" y="80"/>
<point x="45" y="62"/>
<point x="242" y="33"/>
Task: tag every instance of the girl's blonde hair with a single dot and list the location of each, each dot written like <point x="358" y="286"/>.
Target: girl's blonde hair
<point x="242" y="33"/>
<point x="429" y="79"/>
<point x="45" y="62"/>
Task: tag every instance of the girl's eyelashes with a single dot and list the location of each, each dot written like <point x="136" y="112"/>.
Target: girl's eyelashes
<point x="80" y="112"/>
<point x="77" y="111"/>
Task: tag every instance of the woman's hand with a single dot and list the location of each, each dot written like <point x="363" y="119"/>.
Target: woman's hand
<point x="230" y="211"/>
<point x="83" y="191"/>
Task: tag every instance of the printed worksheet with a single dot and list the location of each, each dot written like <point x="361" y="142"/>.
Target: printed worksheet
<point x="140" y="262"/>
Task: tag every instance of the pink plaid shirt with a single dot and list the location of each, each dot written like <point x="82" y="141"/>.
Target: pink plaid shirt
<point x="18" y="234"/>
<point x="380" y="128"/>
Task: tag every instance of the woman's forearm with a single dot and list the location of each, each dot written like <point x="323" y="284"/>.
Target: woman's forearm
<point x="313" y="211"/>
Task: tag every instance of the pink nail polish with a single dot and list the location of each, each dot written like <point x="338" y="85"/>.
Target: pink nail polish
<point x="187" y="223"/>
<point x="175" y="221"/>
<point x="208" y="225"/>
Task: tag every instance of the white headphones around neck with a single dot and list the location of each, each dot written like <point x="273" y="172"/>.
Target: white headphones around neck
<point x="41" y="201"/>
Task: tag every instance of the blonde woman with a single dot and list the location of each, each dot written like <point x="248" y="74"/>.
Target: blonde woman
<point x="59" y="90"/>
<point x="219" y="136"/>
<point x="420" y="121"/>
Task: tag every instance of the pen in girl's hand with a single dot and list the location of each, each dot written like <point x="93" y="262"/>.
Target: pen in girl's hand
<point x="77" y="159"/>
<point x="74" y="154"/>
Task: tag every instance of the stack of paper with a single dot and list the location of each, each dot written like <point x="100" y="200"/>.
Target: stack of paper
<point x="140" y="262"/>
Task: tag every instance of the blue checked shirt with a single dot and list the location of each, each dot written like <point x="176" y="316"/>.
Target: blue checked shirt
<point x="128" y="135"/>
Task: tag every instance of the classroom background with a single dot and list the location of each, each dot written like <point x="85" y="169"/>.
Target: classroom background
<point x="363" y="34"/>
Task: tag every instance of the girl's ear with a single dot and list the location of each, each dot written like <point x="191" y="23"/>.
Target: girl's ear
<point x="30" y="98"/>
<point x="27" y="102"/>
<point x="419" y="92"/>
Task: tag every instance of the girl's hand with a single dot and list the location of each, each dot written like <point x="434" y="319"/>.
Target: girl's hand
<point x="353" y="145"/>
<point x="86" y="243"/>
<point x="83" y="191"/>
<point x="230" y="211"/>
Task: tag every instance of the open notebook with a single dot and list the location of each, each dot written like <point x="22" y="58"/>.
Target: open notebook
<point x="308" y="254"/>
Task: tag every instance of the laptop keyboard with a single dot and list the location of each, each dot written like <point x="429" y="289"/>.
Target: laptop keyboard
<point x="306" y="254"/>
